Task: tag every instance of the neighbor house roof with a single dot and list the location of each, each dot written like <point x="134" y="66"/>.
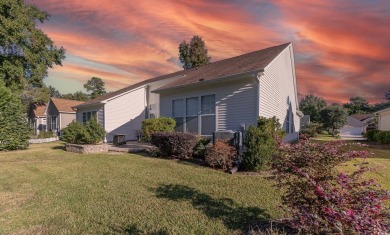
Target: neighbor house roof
<point x="249" y="62"/>
<point x="64" y="105"/>
<point x="383" y="110"/>
<point x="37" y="109"/>
<point x="362" y="117"/>
<point x="354" y="122"/>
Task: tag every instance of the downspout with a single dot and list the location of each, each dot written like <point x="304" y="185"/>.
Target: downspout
<point x="258" y="93"/>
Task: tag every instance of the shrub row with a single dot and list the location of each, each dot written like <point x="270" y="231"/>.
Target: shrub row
<point x="379" y="136"/>
<point x="174" y="144"/>
<point x="77" y="133"/>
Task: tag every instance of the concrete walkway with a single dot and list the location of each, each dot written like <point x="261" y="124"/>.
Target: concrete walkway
<point x="130" y="147"/>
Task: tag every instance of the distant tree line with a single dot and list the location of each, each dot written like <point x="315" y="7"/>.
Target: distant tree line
<point x="334" y="116"/>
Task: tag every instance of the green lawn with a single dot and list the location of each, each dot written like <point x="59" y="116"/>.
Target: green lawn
<point x="45" y="190"/>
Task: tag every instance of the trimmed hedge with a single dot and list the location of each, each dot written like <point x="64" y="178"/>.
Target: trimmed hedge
<point x="77" y="133"/>
<point x="379" y="136"/>
<point x="174" y="144"/>
<point x="153" y="125"/>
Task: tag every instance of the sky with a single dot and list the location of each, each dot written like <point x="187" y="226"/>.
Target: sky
<point x="341" y="47"/>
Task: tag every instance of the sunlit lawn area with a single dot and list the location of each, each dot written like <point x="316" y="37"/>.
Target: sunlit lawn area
<point x="45" y="190"/>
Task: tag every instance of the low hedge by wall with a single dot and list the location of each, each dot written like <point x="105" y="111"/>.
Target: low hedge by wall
<point x="382" y="137"/>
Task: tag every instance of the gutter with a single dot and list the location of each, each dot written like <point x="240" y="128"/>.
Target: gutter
<point x="216" y="80"/>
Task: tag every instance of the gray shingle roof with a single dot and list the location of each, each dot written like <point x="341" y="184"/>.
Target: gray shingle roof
<point x="252" y="61"/>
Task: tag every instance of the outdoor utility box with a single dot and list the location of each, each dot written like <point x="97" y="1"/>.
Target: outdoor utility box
<point x="223" y="135"/>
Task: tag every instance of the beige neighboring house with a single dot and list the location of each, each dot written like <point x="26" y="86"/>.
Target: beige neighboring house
<point x="383" y="117"/>
<point x="59" y="113"/>
<point x="37" y="117"/>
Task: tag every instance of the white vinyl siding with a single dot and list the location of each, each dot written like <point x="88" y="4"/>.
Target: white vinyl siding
<point x="278" y="94"/>
<point x="384" y="121"/>
<point x="124" y="114"/>
<point x="235" y="103"/>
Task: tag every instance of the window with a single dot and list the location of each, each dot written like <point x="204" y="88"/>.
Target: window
<point x="53" y="124"/>
<point x="88" y="115"/>
<point x="178" y="114"/>
<point x="194" y="116"/>
<point x="207" y="114"/>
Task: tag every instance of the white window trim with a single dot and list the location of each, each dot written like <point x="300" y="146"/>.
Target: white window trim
<point x="200" y="115"/>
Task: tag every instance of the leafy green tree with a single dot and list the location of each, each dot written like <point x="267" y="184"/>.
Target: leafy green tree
<point x="357" y="104"/>
<point x="193" y="54"/>
<point x="95" y="85"/>
<point x="334" y="117"/>
<point x="78" y="95"/>
<point x="53" y="92"/>
<point x="14" y="129"/>
<point x="33" y="94"/>
<point x="26" y="52"/>
<point x="312" y="105"/>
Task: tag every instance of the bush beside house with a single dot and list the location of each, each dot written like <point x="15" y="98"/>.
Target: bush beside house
<point x="14" y="128"/>
<point x="379" y="136"/>
<point x="77" y="133"/>
<point x="221" y="155"/>
<point x="153" y="125"/>
<point x="261" y="142"/>
<point x="174" y="144"/>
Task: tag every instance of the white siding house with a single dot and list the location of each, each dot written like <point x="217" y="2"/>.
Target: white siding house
<point x="224" y="95"/>
<point x="383" y="117"/>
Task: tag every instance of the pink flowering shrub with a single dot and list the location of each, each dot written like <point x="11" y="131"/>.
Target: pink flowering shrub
<point x="322" y="200"/>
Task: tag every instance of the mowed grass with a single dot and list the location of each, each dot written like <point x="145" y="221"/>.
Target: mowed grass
<point x="46" y="190"/>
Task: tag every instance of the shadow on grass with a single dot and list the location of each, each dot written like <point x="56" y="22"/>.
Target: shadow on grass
<point x="60" y="147"/>
<point x="233" y="216"/>
<point x="132" y="229"/>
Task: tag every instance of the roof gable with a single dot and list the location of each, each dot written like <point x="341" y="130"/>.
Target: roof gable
<point x="37" y="109"/>
<point x="64" y="105"/>
<point x="252" y="61"/>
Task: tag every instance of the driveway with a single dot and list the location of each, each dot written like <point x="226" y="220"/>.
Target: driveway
<point x="352" y="137"/>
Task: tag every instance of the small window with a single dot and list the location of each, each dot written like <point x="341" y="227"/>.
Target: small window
<point x="208" y="104"/>
<point x="88" y="115"/>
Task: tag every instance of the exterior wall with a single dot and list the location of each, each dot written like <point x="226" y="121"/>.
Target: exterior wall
<point x="235" y="102"/>
<point x="66" y="118"/>
<point x="278" y="92"/>
<point x="384" y="121"/>
<point x="124" y="114"/>
<point x="99" y="111"/>
<point x="38" y="124"/>
<point x="153" y="99"/>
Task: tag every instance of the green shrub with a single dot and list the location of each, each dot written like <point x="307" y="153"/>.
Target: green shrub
<point x="200" y="147"/>
<point x="174" y="144"/>
<point x="312" y="129"/>
<point x="153" y="125"/>
<point x="77" y="133"/>
<point x="45" y="134"/>
<point x="372" y="135"/>
<point x="14" y="128"/>
<point x="221" y="155"/>
<point x="260" y="143"/>
<point x="383" y="137"/>
<point x="95" y="131"/>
